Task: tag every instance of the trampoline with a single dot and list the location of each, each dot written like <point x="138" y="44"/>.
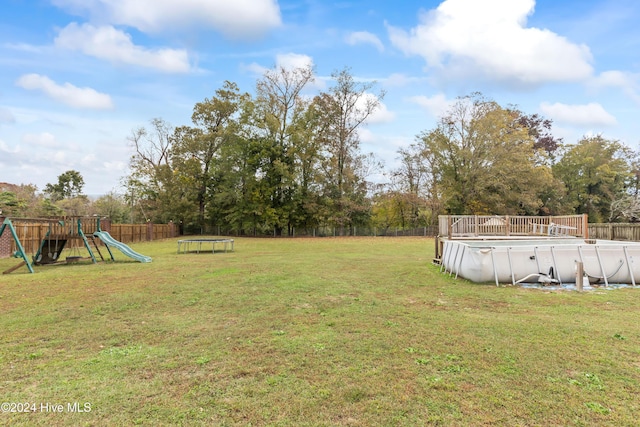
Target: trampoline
<point x="204" y="245"/>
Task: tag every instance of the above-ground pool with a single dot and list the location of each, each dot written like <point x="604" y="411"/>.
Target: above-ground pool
<point x="545" y="260"/>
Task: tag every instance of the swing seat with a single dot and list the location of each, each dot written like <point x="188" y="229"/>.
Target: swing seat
<point x="51" y="248"/>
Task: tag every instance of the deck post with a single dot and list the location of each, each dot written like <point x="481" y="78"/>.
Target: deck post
<point x="579" y="275"/>
<point x="507" y="225"/>
<point x="444" y="253"/>
<point x="449" y="226"/>
<point x="585" y="225"/>
<point x="476" y="223"/>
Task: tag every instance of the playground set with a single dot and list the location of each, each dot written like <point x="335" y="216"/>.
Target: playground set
<point x="73" y="234"/>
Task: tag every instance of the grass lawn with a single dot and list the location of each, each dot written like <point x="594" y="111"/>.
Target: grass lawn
<point x="309" y="332"/>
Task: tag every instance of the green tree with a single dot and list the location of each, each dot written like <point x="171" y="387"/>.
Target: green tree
<point x="344" y="109"/>
<point x="412" y="188"/>
<point x="279" y="102"/>
<point x="151" y="189"/>
<point x="18" y="200"/>
<point x="9" y="203"/>
<point x="69" y="185"/>
<point x="48" y="208"/>
<point x="484" y="161"/>
<point x="309" y="206"/>
<point x="195" y="155"/>
<point x="539" y="128"/>
<point x="384" y="212"/>
<point x="112" y="206"/>
<point x="241" y="199"/>
<point x="595" y="172"/>
<point x="76" y="206"/>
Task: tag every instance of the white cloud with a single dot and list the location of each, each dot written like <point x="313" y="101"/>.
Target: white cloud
<point x="23" y="47"/>
<point x="44" y="139"/>
<point x="380" y="115"/>
<point x="364" y="37"/>
<point x="67" y="93"/>
<point x="591" y="114"/>
<point x="243" y="19"/>
<point x="385" y="147"/>
<point x="288" y="61"/>
<point x="6" y="116"/>
<point x="4" y="147"/>
<point x="111" y="44"/>
<point x="366" y="136"/>
<point x="255" y="68"/>
<point x="629" y="83"/>
<point x="490" y="39"/>
<point x="46" y="142"/>
<point x="114" y="166"/>
<point x="60" y="157"/>
<point x="399" y="80"/>
<point x="291" y="61"/>
<point x="614" y="79"/>
<point x="437" y="105"/>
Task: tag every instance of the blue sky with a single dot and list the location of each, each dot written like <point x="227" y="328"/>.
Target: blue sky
<point x="77" y="76"/>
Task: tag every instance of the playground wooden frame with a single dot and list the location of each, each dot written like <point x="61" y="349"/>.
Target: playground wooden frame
<point x="60" y="230"/>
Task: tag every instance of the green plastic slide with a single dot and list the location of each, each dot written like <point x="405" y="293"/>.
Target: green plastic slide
<point x="111" y="242"/>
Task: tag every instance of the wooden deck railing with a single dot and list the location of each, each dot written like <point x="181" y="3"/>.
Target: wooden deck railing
<point x="457" y="226"/>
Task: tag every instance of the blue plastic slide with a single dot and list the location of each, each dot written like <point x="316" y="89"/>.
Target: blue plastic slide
<point x="111" y="242"/>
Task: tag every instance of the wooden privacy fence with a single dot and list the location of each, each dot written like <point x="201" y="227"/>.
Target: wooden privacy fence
<point x="32" y="233"/>
<point x="630" y="232"/>
<point x="132" y="233"/>
<point x="30" y="236"/>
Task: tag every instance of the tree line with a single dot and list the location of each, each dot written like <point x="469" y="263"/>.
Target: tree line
<point x="281" y="160"/>
<point x="270" y="163"/>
